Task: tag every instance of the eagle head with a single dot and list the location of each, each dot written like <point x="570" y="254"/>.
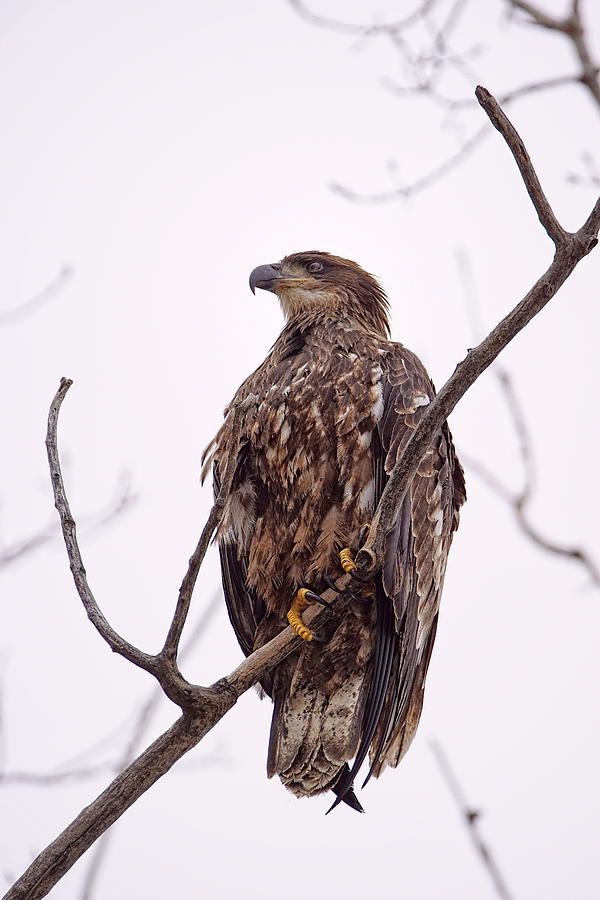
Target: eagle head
<point x="315" y="285"/>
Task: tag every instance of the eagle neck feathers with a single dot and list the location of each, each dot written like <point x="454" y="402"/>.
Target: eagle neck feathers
<point x="343" y="308"/>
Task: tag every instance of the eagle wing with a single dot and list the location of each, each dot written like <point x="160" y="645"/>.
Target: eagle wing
<point x="408" y="588"/>
<point x="244" y="608"/>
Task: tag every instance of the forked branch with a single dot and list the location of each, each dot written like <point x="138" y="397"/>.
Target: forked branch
<point x="570" y="250"/>
<point x="203" y="707"/>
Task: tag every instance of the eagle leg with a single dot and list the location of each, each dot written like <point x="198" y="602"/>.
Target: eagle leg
<point x="347" y="557"/>
<point x="347" y="560"/>
<point x="350" y="567"/>
<point x="304" y="597"/>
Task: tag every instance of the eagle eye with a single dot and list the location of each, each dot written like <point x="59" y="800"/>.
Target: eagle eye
<point x="314" y="266"/>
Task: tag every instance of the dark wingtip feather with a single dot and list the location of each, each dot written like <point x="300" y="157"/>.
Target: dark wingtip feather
<point x="352" y="800"/>
<point x="345" y="792"/>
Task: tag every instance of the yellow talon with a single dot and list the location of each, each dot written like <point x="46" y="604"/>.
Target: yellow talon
<point x="346" y="558"/>
<point x="294" y="616"/>
<point x="348" y="564"/>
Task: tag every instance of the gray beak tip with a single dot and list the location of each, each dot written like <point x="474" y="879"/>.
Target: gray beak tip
<point x="263" y="277"/>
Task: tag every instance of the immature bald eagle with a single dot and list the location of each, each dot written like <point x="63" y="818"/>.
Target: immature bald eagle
<point x="337" y="401"/>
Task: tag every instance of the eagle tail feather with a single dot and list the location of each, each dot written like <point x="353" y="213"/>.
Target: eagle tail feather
<point x="312" y="735"/>
<point x="386" y="651"/>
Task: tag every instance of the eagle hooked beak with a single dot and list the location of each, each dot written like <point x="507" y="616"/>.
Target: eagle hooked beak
<point x="270" y="277"/>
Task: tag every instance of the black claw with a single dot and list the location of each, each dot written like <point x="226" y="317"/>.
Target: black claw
<point x="314" y="598"/>
<point x="331" y="585"/>
<point x="358" y="576"/>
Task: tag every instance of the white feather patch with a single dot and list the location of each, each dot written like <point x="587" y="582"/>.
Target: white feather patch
<point x="377" y="394"/>
<point x="419" y="400"/>
<point x="367" y="495"/>
<point x="437" y="516"/>
<point x="347" y="492"/>
<point x="239" y="516"/>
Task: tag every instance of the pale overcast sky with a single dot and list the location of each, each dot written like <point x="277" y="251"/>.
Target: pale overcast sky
<point x="163" y="150"/>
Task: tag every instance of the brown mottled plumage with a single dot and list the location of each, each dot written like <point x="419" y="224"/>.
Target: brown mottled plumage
<point x="337" y="402"/>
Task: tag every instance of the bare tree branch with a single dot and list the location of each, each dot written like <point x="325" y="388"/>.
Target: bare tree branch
<point x="163" y="666"/>
<point x="419" y="184"/>
<point x="203" y="707"/>
<point x="516" y="146"/>
<point x="211" y="705"/>
<point x="518" y="503"/>
<point x="573" y="28"/>
<point x="524" y="90"/>
<point x="142" y="722"/>
<point x="517" y="500"/>
<point x="539" y="17"/>
<point x="60" y="855"/>
<point x="156" y="696"/>
<point x="470" y="819"/>
<point x="10" y="316"/>
<point x="114" y="640"/>
<point x="171" y="645"/>
<point x="570" y="250"/>
<point x="425" y="71"/>
<point x="465" y="149"/>
<point x="75" y="768"/>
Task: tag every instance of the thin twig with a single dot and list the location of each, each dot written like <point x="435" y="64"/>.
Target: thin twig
<point x="419" y="184"/>
<point x="371" y="28"/>
<point x="470" y="819"/>
<point x="52" y="779"/>
<point x="519" y="506"/>
<point x="98" y="620"/>
<point x="522" y="432"/>
<point x="539" y="16"/>
<point x="591" y="178"/>
<point x="500" y="120"/>
<point x="524" y="90"/>
<point x="148" y="708"/>
<point x="171" y="645"/>
<point x="573" y="28"/>
<point x="10" y="316"/>
<point x="517" y="501"/>
<point x="427" y="69"/>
